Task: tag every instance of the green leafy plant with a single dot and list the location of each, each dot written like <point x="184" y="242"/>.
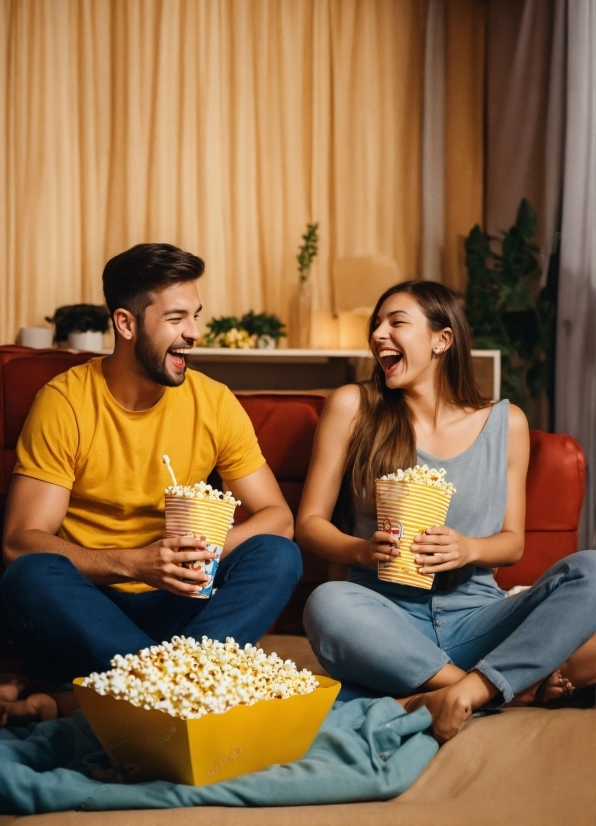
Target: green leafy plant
<point x="263" y="324"/>
<point x="307" y="252"/>
<point x="79" y="318"/>
<point x="230" y="331"/>
<point x="506" y="308"/>
<point x="219" y="327"/>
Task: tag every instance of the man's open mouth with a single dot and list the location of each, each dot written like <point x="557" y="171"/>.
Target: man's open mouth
<point x="389" y="359"/>
<point x="178" y="357"/>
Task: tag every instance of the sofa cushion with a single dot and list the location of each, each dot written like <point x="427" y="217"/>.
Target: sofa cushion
<point x="556" y="482"/>
<point x="285" y="427"/>
<point x="23" y="373"/>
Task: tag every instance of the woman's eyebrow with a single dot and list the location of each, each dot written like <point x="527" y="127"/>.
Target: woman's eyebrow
<point x="394" y="312"/>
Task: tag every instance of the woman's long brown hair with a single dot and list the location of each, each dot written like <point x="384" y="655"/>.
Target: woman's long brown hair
<point x="384" y="438"/>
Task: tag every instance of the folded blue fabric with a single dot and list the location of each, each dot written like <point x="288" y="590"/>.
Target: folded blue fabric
<point x="365" y="750"/>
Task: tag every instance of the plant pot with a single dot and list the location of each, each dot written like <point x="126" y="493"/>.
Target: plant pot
<point x="90" y="340"/>
<point x="38" y="337"/>
<point x="300" y="316"/>
<point x="266" y="343"/>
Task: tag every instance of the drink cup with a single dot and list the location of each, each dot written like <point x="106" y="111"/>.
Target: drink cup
<point x="211" y="518"/>
<point x="406" y="509"/>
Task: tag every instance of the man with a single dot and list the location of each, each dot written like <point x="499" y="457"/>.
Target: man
<point x="90" y="573"/>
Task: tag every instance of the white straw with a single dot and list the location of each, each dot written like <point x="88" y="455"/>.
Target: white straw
<point x="166" y="460"/>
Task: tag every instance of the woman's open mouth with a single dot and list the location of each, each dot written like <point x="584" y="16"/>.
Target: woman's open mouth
<point x="389" y="359"/>
<point x="178" y="357"/>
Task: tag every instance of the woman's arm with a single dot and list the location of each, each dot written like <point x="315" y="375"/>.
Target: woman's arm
<point x="443" y="549"/>
<point x="314" y="531"/>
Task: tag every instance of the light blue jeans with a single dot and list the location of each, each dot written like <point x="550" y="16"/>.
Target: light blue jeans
<point x="381" y="638"/>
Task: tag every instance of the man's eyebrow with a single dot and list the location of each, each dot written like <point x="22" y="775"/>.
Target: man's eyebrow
<point x="181" y="312"/>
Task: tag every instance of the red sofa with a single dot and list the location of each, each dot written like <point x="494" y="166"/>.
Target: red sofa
<point x="285" y="426"/>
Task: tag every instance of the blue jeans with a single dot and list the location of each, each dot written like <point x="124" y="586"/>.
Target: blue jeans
<point x="83" y="625"/>
<point x="382" y="643"/>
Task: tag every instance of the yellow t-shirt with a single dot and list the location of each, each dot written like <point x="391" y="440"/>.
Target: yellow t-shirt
<point x="77" y="436"/>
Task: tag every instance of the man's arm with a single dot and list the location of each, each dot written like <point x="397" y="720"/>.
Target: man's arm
<point x="34" y="512"/>
<point x="267" y="509"/>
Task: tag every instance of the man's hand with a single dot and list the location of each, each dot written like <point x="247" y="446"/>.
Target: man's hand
<point x="381" y="547"/>
<point x="161" y="564"/>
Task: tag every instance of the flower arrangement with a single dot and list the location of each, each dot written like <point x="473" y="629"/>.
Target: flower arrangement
<point x="250" y="331"/>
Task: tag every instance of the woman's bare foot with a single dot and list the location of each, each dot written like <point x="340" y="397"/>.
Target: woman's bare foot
<point x="451" y="706"/>
<point x="555" y="687"/>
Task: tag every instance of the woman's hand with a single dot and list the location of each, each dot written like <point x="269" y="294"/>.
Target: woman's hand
<point x="381" y="547"/>
<point x="441" y="549"/>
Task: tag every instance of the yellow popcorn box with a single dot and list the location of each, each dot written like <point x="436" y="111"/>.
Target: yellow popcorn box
<point x="211" y="518"/>
<point x="407" y="509"/>
<point x="148" y="744"/>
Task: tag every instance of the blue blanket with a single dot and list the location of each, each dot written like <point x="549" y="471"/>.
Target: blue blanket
<point x="365" y="750"/>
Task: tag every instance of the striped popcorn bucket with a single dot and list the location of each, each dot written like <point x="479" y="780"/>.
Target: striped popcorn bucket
<point x="406" y="509"/>
<point x="211" y="518"/>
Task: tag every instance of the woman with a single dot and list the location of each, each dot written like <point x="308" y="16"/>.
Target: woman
<point x="461" y="645"/>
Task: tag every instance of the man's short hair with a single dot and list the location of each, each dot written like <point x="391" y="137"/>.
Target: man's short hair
<point x="131" y="279"/>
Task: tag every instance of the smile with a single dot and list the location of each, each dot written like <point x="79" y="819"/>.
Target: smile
<point x="178" y="357"/>
<point x="389" y="359"/>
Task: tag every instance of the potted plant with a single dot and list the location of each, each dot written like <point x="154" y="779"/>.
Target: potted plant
<point x="227" y="331"/>
<point x="302" y="302"/>
<point x="507" y="309"/>
<point x="267" y="328"/>
<point x="81" y="325"/>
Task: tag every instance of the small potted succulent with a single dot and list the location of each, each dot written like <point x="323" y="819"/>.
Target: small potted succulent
<point x="81" y="325"/>
<point x="267" y="328"/>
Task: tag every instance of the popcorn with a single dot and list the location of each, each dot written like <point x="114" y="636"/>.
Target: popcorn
<point x="201" y="490"/>
<point x="422" y="476"/>
<point x="187" y="679"/>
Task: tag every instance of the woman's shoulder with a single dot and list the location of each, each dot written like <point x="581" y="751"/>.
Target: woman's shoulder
<point x="517" y="419"/>
<point x="341" y="410"/>
<point x="518" y="433"/>
<point x="345" y="401"/>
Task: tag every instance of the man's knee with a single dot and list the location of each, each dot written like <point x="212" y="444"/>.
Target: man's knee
<point x="285" y="557"/>
<point x="29" y="573"/>
<point x="280" y="558"/>
<point x="30" y="568"/>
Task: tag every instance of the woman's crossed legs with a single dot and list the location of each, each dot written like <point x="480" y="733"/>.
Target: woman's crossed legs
<point x="464" y="661"/>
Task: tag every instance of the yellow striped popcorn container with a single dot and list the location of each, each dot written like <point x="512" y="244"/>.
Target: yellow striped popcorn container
<point x="211" y="518"/>
<point x="406" y="509"/>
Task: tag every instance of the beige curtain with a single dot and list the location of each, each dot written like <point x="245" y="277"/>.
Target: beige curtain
<point x="453" y="136"/>
<point x="222" y="126"/>
<point x="525" y="113"/>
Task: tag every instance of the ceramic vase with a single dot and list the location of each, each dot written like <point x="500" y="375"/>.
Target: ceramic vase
<point x="91" y="341"/>
<point x="300" y="316"/>
<point x="38" y="337"/>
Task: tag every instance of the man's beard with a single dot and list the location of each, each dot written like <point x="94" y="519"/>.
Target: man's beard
<point x="152" y="363"/>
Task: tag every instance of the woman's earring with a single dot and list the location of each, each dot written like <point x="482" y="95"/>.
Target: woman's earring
<point x="437" y="351"/>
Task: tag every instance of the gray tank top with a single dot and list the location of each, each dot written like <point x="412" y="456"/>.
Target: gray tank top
<point x="479" y="475"/>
